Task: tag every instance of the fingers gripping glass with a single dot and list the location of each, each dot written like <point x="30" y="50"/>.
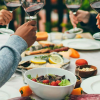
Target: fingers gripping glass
<point x="95" y="4"/>
<point x="11" y="6"/>
<point x="73" y="5"/>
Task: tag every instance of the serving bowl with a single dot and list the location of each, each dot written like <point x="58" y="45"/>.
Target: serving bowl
<point x="48" y="92"/>
<point x="85" y="74"/>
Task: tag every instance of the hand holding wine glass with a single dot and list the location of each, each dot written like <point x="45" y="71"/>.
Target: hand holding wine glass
<point x="11" y="6"/>
<point x="81" y="16"/>
<point x="5" y="17"/>
<point x="74" y="5"/>
<point x="95" y="4"/>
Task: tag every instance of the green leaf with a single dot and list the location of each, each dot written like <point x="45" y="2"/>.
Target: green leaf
<point x="29" y="76"/>
<point x="64" y="83"/>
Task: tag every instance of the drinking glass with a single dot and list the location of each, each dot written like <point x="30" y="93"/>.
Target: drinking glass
<point x="74" y="5"/>
<point x="32" y="7"/>
<point x="11" y="6"/>
<point x="95" y="4"/>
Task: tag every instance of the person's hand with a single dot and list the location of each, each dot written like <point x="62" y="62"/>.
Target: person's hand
<point x="81" y="16"/>
<point x="98" y="21"/>
<point x="28" y="32"/>
<point x="5" y="17"/>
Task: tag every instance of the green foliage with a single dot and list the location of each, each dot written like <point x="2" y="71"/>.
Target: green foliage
<point x="85" y="5"/>
<point x="48" y="26"/>
<point x="3" y="7"/>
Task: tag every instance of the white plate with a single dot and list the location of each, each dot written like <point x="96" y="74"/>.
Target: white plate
<point x="9" y="92"/>
<point x="91" y="85"/>
<point x="82" y="44"/>
<point x="28" y="58"/>
<point x="6" y="31"/>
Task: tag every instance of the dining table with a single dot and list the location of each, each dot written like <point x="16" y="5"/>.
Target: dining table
<point x="92" y="56"/>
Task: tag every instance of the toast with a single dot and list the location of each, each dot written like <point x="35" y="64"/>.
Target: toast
<point x="46" y="43"/>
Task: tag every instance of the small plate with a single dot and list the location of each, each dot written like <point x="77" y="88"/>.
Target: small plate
<point x="91" y="85"/>
<point x="7" y="92"/>
<point x="82" y="44"/>
<point x="6" y="31"/>
<point x="76" y="30"/>
<point x="97" y="36"/>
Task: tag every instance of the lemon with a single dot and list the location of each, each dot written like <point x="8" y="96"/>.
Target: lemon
<point x="55" y="59"/>
<point x="38" y="61"/>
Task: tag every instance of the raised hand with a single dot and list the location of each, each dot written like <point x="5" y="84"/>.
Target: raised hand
<point x="5" y="17"/>
<point x="28" y="32"/>
<point x="81" y="16"/>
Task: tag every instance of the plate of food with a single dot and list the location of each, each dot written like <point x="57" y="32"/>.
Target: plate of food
<point x="45" y="47"/>
<point x="47" y="60"/>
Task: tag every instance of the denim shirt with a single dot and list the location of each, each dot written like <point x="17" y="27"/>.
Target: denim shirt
<point x="10" y="57"/>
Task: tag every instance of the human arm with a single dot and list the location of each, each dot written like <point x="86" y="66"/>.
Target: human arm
<point x="86" y="19"/>
<point x="11" y="51"/>
<point x="5" y="17"/>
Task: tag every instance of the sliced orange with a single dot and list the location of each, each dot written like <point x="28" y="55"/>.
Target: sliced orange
<point x="74" y="53"/>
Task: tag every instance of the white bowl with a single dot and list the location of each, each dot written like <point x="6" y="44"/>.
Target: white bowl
<point x="47" y="92"/>
<point x="69" y="35"/>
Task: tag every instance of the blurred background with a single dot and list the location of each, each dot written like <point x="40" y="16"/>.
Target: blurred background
<point x="53" y="17"/>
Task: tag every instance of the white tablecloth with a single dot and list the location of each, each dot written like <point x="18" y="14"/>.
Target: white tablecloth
<point x="93" y="58"/>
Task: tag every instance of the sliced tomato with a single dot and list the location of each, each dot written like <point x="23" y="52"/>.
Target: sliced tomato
<point x="53" y="83"/>
<point x="34" y="80"/>
<point x="45" y="81"/>
<point x="58" y="81"/>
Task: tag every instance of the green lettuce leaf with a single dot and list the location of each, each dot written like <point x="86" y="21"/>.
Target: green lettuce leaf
<point x="64" y="83"/>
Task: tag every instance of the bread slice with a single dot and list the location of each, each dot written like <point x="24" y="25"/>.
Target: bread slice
<point x="36" y="52"/>
<point x="46" y="43"/>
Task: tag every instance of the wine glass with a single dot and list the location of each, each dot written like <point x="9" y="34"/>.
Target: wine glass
<point x="11" y="6"/>
<point x="32" y="7"/>
<point x="74" y="5"/>
<point x="95" y="4"/>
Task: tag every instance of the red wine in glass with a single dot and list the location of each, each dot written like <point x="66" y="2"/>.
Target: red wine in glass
<point x="73" y="8"/>
<point x="32" y="7"/>
<point x="96" y="6"/>
<point x="12" y="6"/>
<point x="32" y="10"/>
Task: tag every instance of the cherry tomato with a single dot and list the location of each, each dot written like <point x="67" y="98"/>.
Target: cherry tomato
<point x="45" y="81"/>
<point x="34" y="80"/>
<point x="53" y="83"/>
<point x="58" y="81"/>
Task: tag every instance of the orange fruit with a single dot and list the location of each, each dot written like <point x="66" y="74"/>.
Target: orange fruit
<point x="25" y="91"/>
<point x="73" y="53"/>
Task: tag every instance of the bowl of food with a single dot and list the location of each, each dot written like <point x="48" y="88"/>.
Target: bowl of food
<point x="50" y="83"/>
<point x="86" y="71"/>
<point x="78" y="82"/>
